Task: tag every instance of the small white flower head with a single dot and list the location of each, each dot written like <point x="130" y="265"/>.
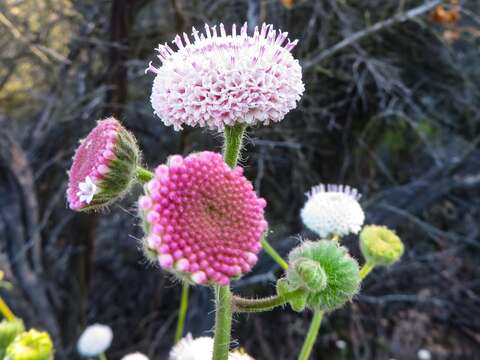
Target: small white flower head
<point x="341" y="344"/>
<point x="88" y="189"/>
<point x="95" y="340"/>
<point x="424" y="354"/>
<point x="135" y="356"/>
<point x="333" y="210"/>
<point x="192" y="349"/>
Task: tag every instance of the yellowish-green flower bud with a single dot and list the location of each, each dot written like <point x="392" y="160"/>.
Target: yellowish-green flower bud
<point x="380" y="246"/>
<point x="31" y="345"/>
<point x="8" y="331"/>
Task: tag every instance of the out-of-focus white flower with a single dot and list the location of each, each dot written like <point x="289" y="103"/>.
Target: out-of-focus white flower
<point x="341" y="344"/>
<point x="95" y="340"/>
<point x="333" y="210"/>
<point x="192" y="349"/>
<point x="135" y="356"/>
<point x="424" y="354"/>
<point x="200" y="349"/>
<point x="239" y="354"/>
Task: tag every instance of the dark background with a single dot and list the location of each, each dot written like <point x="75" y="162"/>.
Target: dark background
<point x="392" y="107"/>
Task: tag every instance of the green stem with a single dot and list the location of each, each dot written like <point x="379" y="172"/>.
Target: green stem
<point x="273" y="254"/>
<point x="102" y="356"/>
<point x="144" y="175"/>
<point x="223" y="322"/>
<point x="233" y="143"/>
<point x="5" y="310"/>
<point x="242" y="305"/>
<point x="311" y="336"/>
<point x="366" y="269"/>
<point x="182" y="313"/>
<point x="233" y="136"/>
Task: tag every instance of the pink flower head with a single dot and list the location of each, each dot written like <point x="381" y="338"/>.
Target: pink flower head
<point x="219" y="79"/>
<point x="202" y="218"/>
<point x="103" y="166"/>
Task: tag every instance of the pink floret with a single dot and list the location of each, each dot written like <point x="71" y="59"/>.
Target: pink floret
<point x="204" y="219"/>
<point x="92" y="159"/>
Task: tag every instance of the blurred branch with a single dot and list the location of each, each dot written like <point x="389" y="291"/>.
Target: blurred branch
<point x="360" y="35"/>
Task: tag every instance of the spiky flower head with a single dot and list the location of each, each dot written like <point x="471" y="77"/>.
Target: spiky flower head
<point x="333" y="210"/>
<point x="103" y="168"/>
<point x="201" y="348"/>
<point x="135" y="356"/>
<point x="219" y="79"/>
<point x="327" y="273"/>
<point x="95" y="340"/>
<point x="202" y="219"/>
<point x="31" y="345"/>
<point x="380" y="246"/>
<point x="9" y="329"/>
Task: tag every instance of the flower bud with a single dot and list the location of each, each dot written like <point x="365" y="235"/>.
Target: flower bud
<point x="31" y="345"/>
<point x="380" y="246"/>
<point x="104" y="167"/>
<point x="8" y="331"/>
<point x="298" y="303"/>
<point x="327" y="273"/>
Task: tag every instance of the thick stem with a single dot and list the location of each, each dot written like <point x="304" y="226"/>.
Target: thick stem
<point x="233" y="136"/>
<point x="233" y="143"/>
<point x="5" y="310"/>
<point x="182" y="313"/>
<point x="223" y="322"/>
<point x="242" y="305"/>
<point x="143" y="175"/>
<point x="274" y="254"/>
<point x="366" y="269"/>
<point x="311" y="336"/>
<point x="102" y="356"/>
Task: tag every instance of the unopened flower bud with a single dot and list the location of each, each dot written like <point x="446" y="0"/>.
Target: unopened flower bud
<point x="8" y="331"/>
<point x="328" y="285"/>
<point x="380" y="246"/>
<point x="104" y="167"/>
<point x="31" y="345"/>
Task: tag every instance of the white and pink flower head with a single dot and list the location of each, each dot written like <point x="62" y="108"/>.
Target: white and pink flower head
<point x="220" y="80"/>
<point x="202" y="219"/>
<point x="103" y="168"/>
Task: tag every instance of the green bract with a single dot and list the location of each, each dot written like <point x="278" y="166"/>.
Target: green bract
<point x="8" y="331"/>
<point x="380" y="245"/>
<point x="31" y="345"/>
<point x="327" y="273"/>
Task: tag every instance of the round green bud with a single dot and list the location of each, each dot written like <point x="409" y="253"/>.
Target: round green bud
<point x="380" y="246"/>
<point x="31" y="345"/>
<point x="8" y="331"/>
<point x="331" y="282"/>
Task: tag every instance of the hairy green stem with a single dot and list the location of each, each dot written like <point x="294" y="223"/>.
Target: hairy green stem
<point x="274" y="254"/>
<point x="233" y="143"/>
<point x="311" y="335"/>
<point x="223" y="322"/>
<point x="232" y="146"/>
<point x="102" y="356"/>
<point x="242" y="305"/>
<point x="182" y="312"/>
<point x="144" y="175"/>
<point x="5" y="310"/>
<point x="366" y="269"/>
